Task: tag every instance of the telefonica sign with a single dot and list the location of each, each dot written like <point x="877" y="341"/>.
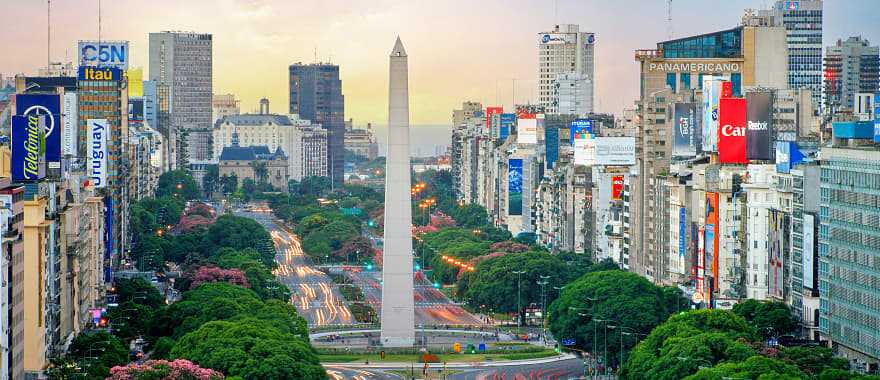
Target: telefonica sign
<point x="702" y="67"/>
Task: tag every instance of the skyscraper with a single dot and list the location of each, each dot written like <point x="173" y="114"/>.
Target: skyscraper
<point x="851" y="67"/>
<point x="316" y="95"/>
<point x="182" y="63"/>
<point x="565" y="50"/>
<point x="803" y="23"/>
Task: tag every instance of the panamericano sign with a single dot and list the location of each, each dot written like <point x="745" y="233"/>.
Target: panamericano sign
<point x="701" y="67"/>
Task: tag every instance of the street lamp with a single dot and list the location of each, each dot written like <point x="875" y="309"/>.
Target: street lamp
<point x="543" y="282"/>
<point x="518" y="289"/>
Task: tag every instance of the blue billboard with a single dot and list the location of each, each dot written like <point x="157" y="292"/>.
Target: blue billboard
<point x="682" y="230"/>
<point x="551" y="139"/>
<point x="108" y="238"/>
<point x="104" y="54"/>
<point x="787" y="156"/>
<point x="28" y="148"/>
<point x="508" y="120"/>
<point x="514" y="186"/>
<point x="877" y="117"/>
<point x="47" y="105"/>
<point x="580" y="127"/>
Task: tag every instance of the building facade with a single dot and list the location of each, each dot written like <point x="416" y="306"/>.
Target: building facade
<point x="565" y="50"/>
<point x="316" y="95"/>
<point x="223" y="105"/>
<point x="851" y="67"/>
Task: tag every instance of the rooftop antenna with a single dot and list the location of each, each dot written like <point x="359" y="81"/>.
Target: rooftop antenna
<point x="669" y="19"/>
<point x="555" y="13"/>
<point x="99" y="23"/>
<point x="48" y="34"/>
<point x="316" y="54"/>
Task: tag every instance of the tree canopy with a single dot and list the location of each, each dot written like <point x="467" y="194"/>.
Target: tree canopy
<point x="770" y="318"/>
<point x="177" y="183"/>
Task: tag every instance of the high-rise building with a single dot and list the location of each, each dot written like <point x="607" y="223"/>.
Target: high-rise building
<point x="12" y="300"/>
<point x="316" y="95"/>
<point x="848" y="253"/>
<point x="851" y="67"/>
<point x="573" y="94"/>
<point x="182" y="63"/>
<point x="803" y="23"/>
<point x="565" y="50"/>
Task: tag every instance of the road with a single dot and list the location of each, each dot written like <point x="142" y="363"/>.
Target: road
<point x="559" y="370"/>
<point x="314" y="294"/>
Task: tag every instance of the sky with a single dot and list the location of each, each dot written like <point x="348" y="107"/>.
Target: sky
<point x="458" y="49"/>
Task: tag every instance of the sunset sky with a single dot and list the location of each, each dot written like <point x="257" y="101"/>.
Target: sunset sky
<point x="458" y="50"/>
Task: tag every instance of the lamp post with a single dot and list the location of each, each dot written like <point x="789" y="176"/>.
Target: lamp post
<point x="518" y="304"/>
<point x="543" y="282"/>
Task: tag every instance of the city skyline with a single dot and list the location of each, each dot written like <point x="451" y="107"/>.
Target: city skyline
<point x="252" y="56"/>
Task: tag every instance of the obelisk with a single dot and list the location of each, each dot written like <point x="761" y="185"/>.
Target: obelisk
<point x="398" y="325"/>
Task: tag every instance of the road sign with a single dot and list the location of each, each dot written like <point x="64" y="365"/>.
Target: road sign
<point x="568" y="341"/>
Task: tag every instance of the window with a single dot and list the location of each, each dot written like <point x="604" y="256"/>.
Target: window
<point x="685" y="81"/>
<point x="670" y="80"/>
<point x="736" y="83"/>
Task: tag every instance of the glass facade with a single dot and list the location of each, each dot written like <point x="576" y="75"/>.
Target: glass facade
<point x="316" y="95"/>
<point x="849" y="249"/>
<point x="685" y="81"/>
<point x="723" y="44"/>
<point x="670" y="81"/>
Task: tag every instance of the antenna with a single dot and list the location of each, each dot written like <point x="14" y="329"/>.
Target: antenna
<point x="669" y="19"/>
<point x="316" y="54"/>
<point x="48" y="34"/>
<point x="99" y="23"/>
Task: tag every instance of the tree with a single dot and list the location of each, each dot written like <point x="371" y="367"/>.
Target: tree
<point x="62" y="368"/>
<point x="177" y="183"/>
<point x="755" y="367"/>
<point x="179" y="369"/>
<point x="130" y="320"/>
<point x="97" y="352"/>
<point x="250" y="348"/>
<point x="470" y="216"/>
<point x="205" y="274"/>
<point x="598" y="300"/>
<point x="354" y="250"/>
<point x="260" y="171"/>
<point x="211" y="180"/>
<point x="495" y="283"/>
<point x="314" y="186"/>
<point x="690" y="340"/>
<point x="770" y="318"/>
<point x="229" y="183"/>
<point x="812" y="360"/>
<point x="209" y="302"/>
<point x="139" y="291"/>
<point x="239" y="233"/>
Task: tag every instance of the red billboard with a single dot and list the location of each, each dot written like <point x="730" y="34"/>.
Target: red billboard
<point x="616" y="187"/>
<point x="732" y="131"/>
<point x="492" y="111"/>
<point x="726" y="89"/>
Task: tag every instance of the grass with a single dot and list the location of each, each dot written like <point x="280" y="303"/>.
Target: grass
<point x="449" y="358"/>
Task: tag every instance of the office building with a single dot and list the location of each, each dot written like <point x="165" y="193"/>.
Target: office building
<point x="308" y="152"/>
<point x="224" y="105"/>
<point x="565" y="50"/>
<point x="573" y="94"/>
<point x="35" y="240"/>
<point x="362" y="142"/>
<point x="316" y="95"/>
<point x="802" y="21"/>
<point x="804" y="250"/>
<point x="849" y="252"/>
<point x="12" y="305"/>
<point x="851" y="67"/>
<point x="181" y="62"/>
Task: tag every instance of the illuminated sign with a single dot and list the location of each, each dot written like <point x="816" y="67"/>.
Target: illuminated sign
<point x="98" y="131"/>
<point x="49" y="106"/>
<point x="99" y="74"/>
<point x="732" y="131"/>
<point x="28" y="147"/>
<point x="554" y="39"/>
<point x="69" y="124"/>
<point x="104" y="54"/>
<point x="699" y="67"/>
<point x="616" y="187"/>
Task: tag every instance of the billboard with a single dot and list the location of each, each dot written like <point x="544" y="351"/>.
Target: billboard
<point x="103" y="54"/>
<point x="135" y="83"/>
<point x="585" y="149"/>
<point x="809" y="250"/>
<point x="514" y="186"/>
<point x="527" y="130"/>
<point x="682" y="230"/>
<point x="616" y="187"/>
<point x="777" y="237"/>
<point x="726" y="89"/>
<point x="99" y="74"/>
<point x="700" y="265"/>
<point x="685" y="139"/>
<point x="579" y="127"/>
<point x="69" y="121"/>
<point x="712" y="228"/>
<point x="28" y="147"/>
<point x="48" y="105"/>
<point x="758" y="126"/>
<point x="711" y="92"/>
<point x="787" y="156"/>
<point x="877" y="117"/>
<point x="615" y="151"/>
<point x="557" y="38"/>
<point x="98" y="131"/>
<point x="551" y="141"/>
<point x="508" y="121"/>
<point x="732" y="131"/>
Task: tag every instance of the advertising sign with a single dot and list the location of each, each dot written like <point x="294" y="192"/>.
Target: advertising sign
<point x="877" y="117"/>
<point x="616" y="187"/>
<point x="28" y="148"/>
<point x="777" y="237"/>
<point x="701" y="263"/>
<point x="787" y="156"/>
<point x="514" y="186"/>
<point x="135" y="82"/>
<point x="49" y="106"/>
<point x="726" y="89"/>
<point x="556" y="38"/>
<point x="69" y="120"/>
<point x="508" y="120"/>
<point x="614" y="151"/>
<point x="104" y="54"/>
<point x="527" y="131"/>
<point x="99" y="74"/>
<point x="711" y="92"/>
<point x="732" y="131"/>
<point x="585" y="150"/>
<point x="98" y="131"/>
<point x="551" y="140"/>
<point x="758" y="126"/>
<point x="685" y="139"/>
<point x="580" y="127"/>
<point x="712" y="235"/>
<point x="682" y="231"/>
<point x="809" y="251"/>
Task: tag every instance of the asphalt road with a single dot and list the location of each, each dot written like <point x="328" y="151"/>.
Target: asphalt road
<point x="315" y="295"/>
<point x="559" y="370"/>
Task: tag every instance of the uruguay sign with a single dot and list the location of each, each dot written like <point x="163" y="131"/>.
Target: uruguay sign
<point x="98" y="131"/>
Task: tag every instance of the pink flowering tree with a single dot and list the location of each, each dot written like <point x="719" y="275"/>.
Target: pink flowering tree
<point x="179" y="369"/>
<point x="441" y="220"/>
<point x="213" y="274"/>
<point x="509" y="246"/>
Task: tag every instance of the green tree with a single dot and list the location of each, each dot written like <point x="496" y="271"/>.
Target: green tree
<point x="495" y="283"/>
<point x="812" y="360"/>
<point x="354" y="250"/>
<point x="62" y="368"/>
<point x="315" y="186"/>
<point x="130" y="320"/>
<point x="97" y="352"/>
<point x="470" y="216"/>
<point x="209" y="302"/>
<point x="250" y="348"/>
<point x="690" y="340"/>
<point x="598" y="300"/>
<point x="211" y="180"/>
<point x="240" y="233"/>
<point x="770" y="318"/>
<point x="139" y="291"/>
<point x="755" y="367"/>
<point x="177" y="183"/>
<point x="260" y="171"/>
<point x="258" y="275"/>
<point x="229" y="183"/>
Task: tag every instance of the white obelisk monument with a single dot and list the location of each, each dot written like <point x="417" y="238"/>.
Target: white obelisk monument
<point x="398" y="325"/>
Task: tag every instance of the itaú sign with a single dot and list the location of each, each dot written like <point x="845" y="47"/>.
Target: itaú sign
<point x="701" y="67"/>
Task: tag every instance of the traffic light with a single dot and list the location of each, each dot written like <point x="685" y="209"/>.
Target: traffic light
<point x="472" y="349"/>
<point x="369" y="266"/>
<point x="418" y="267"/>
<point x="436" y="285"/>
<point x="370" y="223"/>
